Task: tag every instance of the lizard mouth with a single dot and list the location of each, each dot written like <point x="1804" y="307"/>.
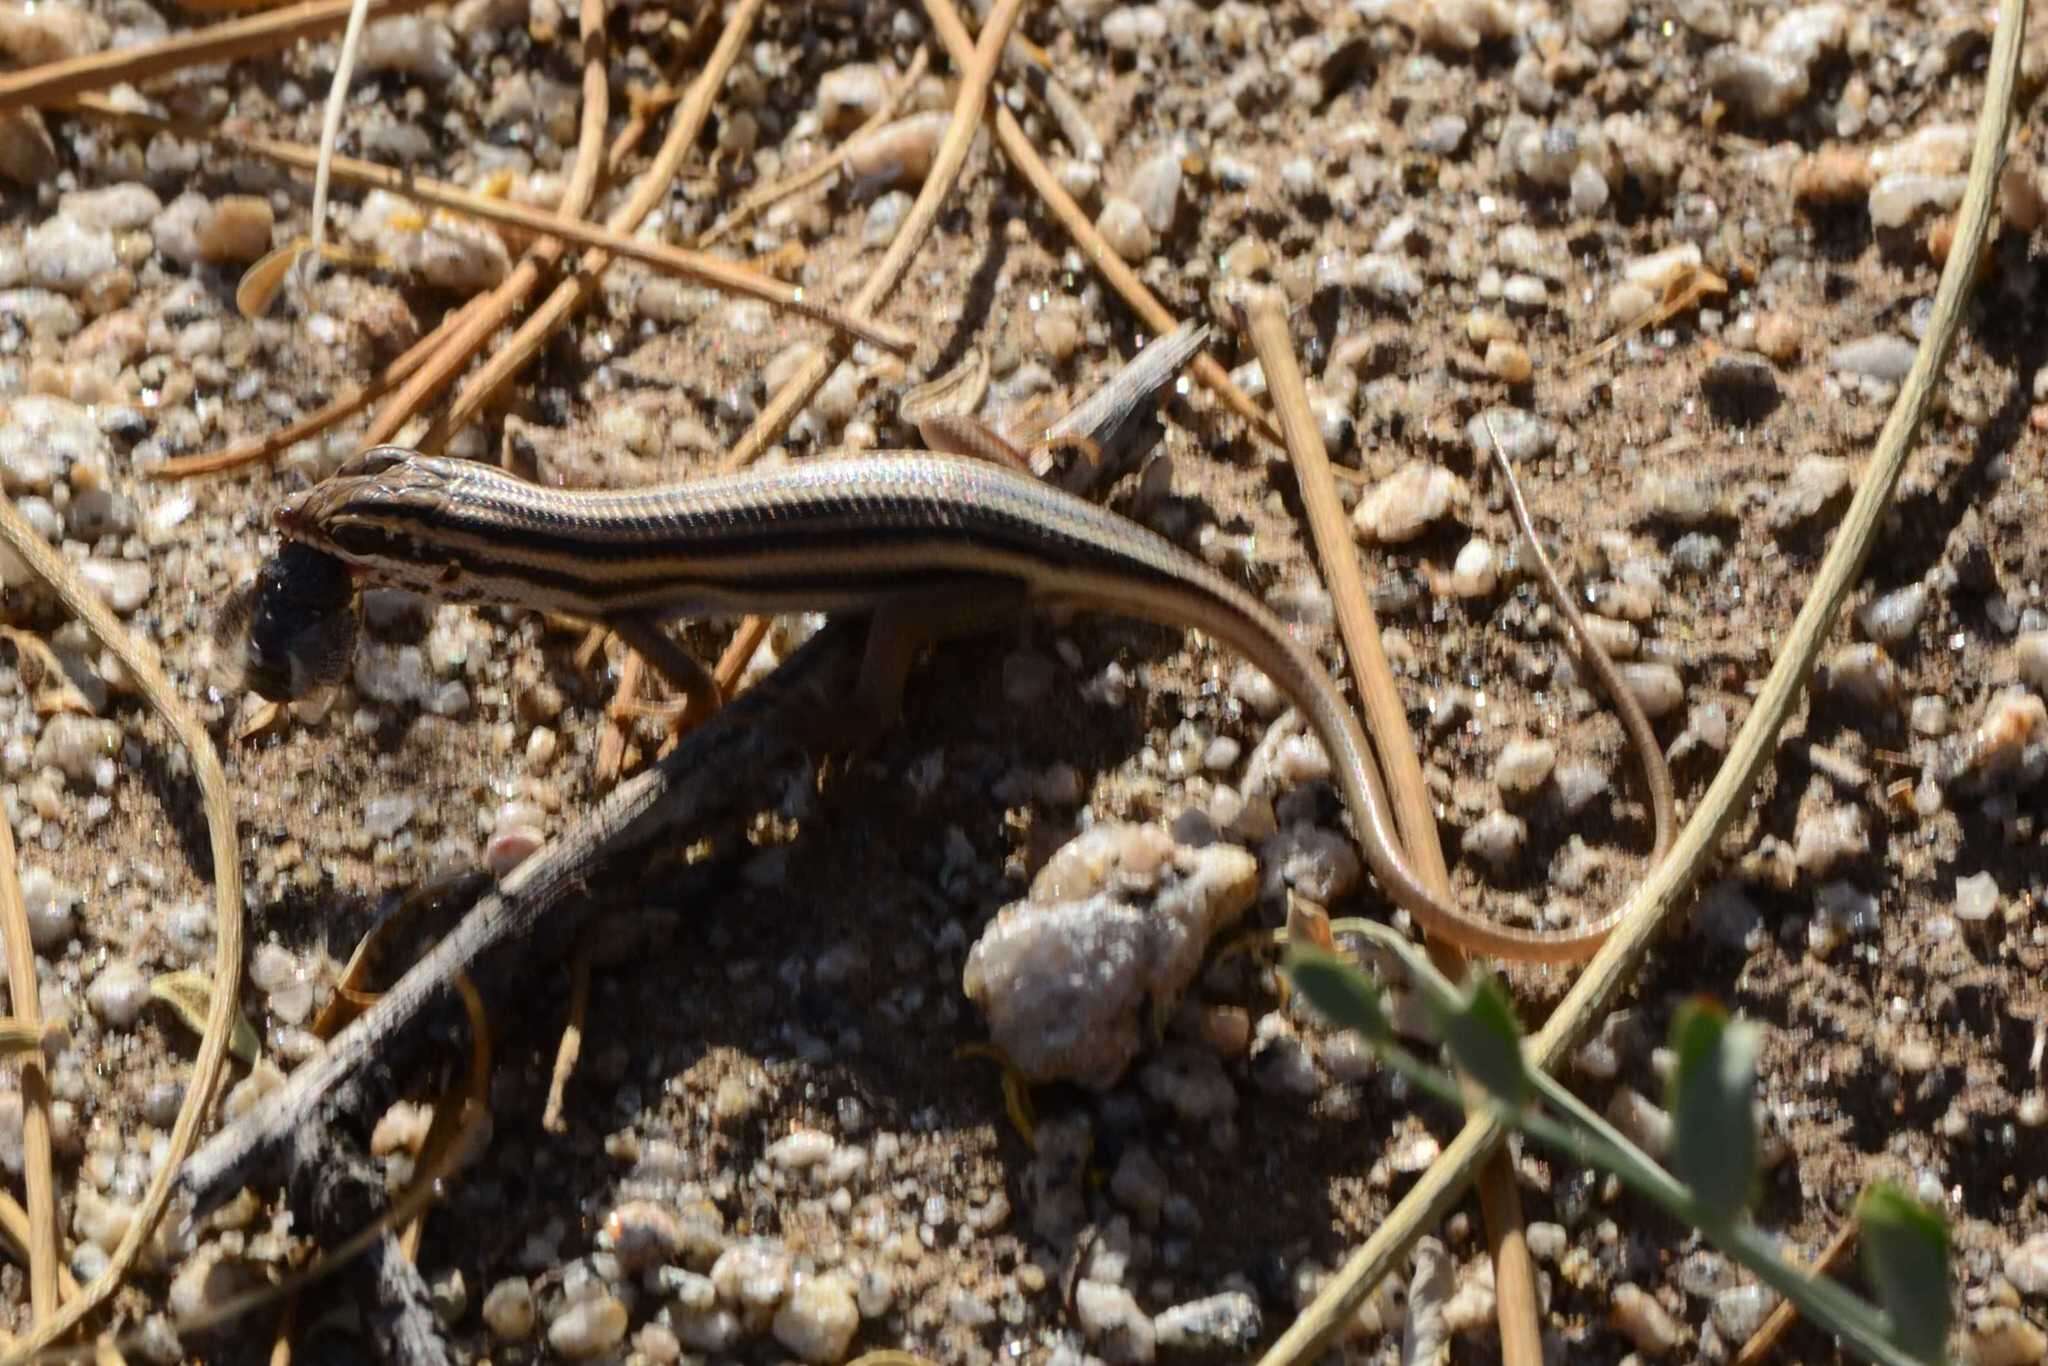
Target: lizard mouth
<point x="294" y="629"/>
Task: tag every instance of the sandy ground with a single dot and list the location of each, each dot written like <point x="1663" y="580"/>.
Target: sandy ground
<point x="1410" y="192"/>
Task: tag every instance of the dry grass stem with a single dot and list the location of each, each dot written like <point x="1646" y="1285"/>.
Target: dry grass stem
<point x="330" y="131"/>
<point x="479" y="325"/>
<point x="763" y="196"/>
<point x="207" y="1069"/>
<point x="1667" y="885"/>
<point x="53" y="83"/>
<point x="571" y="1046"/>
<point x="14" y="1231"/>
<point x="1764" y="1341"/>
<point x="37" y="1174"/>
<point x="1387" y="723"/>
<point x="563" y="225"/>
<point x="1017" y="146"/>
<point x="977" y="64"/>
<point x="648" y="191"/>
<point x="275" y="443"/>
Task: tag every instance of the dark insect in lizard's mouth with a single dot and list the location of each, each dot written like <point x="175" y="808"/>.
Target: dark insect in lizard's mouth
<point x="295" y="626"/>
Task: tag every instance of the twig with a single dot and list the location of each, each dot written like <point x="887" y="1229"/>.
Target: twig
<point x="720" y="771"/>
<point x="502" y="302"/>
<point x="330" y="132"/>
<point x="1102" y="422"/>
<point x="319" y="420"/>
<point x="648" y="191"/>
<point x="715" y="271"/>
<point x="53" y="82"/>
<point x="618" y="715"/>
<point x="1758" y="1349"/>
<point x="140" y="663"/>
<point x="43" y="1259"/>
<point x="1668" y="883"/>
<point x="1656" y="773"/>
<point x="14" y="1231"/>
<point x="571" y="1045"/>
<point x="977" y="64"/>
<point x="1017" y="146"/>
<point x="762" y="196"/>
<point x="1514" y="1271"/>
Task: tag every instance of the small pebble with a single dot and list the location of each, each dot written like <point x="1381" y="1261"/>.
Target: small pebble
<point x="715" y="1330"/>
<point x="1898" y="201"/>
<point x="1475" y="573"/>
<point x="65" y="255"/>
<point x="119" y="993"/>
<point x="517" y="832"/>
<point x="1883" y="357"/>
<point x="1976" y="897"/>
<point x="1580" y="784"/>
<point x="1779" y="337"/>
<point x="1830" y="837"/>
<point x="385" y="816"/>
<point x="1739" y="1310"/>
<point x="1223" y="1325"/>
<point x="753" y="1275"/>
<point x="1509" y="362"/>
<point x="1122" y="224"/>
<point x="818" y="1320"/>
<point x="1638" y="1317"/>
<point x="125" y="584"/>
<point x="1524" y="765"/>
<point x="2030" y="655"/>
<point x="209" y="1279"/>
<point x="1281" y="1061"/>
<point x="52" y="908"/>
<point x="176" y="229"/>
<point x="1400" y="508"/>
<point x="1658" y="689"/>
<point x="641" y="1234"/>
<point x="77" y="745"/>
<point x="1155" y="188"/>
<point x="589" y="1327"/>
<point x="1862" y="675"/>
<point x="803" y="1149"/>
<point x="884" y="216"/>
<point x="1589" y="190"/>
<point x="2002" y="1336"/>
<point x="1814" y="484"/>
<point x="1110" y="1319"/>
<point x="237" y="232"/>
<point x="1134" y="28"/>
<point x="1893" y="618"/>
<point x="1460" y="26"/>
<point x="847" y="95"/>
<point x="2026" y="1266"/>
<point x="1497" y="838"/>
<point x="1115" y="922"/>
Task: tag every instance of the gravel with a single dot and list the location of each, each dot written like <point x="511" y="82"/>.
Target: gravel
<point x="770" y="1145"/>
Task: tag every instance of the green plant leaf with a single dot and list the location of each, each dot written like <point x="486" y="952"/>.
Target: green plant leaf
<point x="1905" y="1255"/>
<point x="1713" y="1147"/>
<point x="1340" y="991"/>
<point x="1485" y="1040"/>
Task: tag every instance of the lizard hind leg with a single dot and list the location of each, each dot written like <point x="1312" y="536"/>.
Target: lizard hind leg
<point x="903" y="625"/>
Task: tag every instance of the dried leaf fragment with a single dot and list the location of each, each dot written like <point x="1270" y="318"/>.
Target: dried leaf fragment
<point x="190" y="994"/>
